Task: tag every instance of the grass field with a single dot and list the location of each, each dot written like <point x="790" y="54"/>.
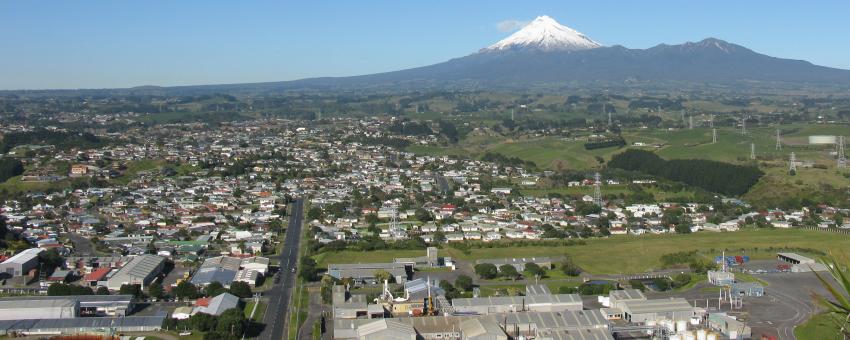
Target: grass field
<point x="258" y="315"/>
<point x="629" y="254"/>
<point x="14" y="184"/>
<point x="819" y="327"/>
<point x="732" y="146"/>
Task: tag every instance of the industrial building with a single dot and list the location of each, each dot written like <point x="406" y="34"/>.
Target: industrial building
<point x="800" y="263"/>
<point x="513" y="304"/>
<point x="141" y="270"/>
<point x="543" y="325"/>
<point x="82" y="325"/>
<point x="21" y="263"/>
<point x="729" y="326"/>
<point x="84" y="305"/>
<point x="431" y="259"/>
<point x="519" y="263"/>
<point x="364" y="273"/>
<point x="642" y="311"/>
<point x="531" y="324"/>
<point x="26" y="309"/>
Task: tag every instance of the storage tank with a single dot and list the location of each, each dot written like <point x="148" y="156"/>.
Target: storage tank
<point x="711" y="336"/>
<point x="681" y="326"/>
<point x="669" y="325"/>
<point x="701" y="334"/>
<point x="822" y="139"/>
<point x="675" y="337"/>
<point x="650" y="323"/>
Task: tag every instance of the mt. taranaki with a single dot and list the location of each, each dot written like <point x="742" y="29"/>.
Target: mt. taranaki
<point x="545" y="52"/>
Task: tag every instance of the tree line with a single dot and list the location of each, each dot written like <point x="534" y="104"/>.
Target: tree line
<point x="724" y="178"/>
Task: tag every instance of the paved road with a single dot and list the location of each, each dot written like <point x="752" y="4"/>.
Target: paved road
<point x="444" y="184"/>
<point x="279" y="295"/>
<point x="82" y="245"/>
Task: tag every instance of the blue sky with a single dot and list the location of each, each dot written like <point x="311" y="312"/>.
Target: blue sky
<point x="96" y="44"/>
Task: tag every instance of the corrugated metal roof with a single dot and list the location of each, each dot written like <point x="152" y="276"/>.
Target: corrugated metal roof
<point x="518" y="300"/>
<point x="656" y="306"/>
<point x="559" y="320"/>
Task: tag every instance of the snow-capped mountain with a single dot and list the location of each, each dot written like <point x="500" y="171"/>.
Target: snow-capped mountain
<point x="545" y="53"/>
<point x="544" y="34"/>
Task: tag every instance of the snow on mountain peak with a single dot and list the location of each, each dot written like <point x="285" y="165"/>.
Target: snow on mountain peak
<point x="545" y="34"/>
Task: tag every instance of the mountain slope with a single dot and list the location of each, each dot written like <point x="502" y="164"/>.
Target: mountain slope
<point x="708" y="61"/>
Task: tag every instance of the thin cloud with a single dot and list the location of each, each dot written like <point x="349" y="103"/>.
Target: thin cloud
<point x="511" y="25"/>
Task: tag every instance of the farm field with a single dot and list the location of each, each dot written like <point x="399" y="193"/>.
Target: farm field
<point x="773" y="190"/>
<point x="628" y="254"/>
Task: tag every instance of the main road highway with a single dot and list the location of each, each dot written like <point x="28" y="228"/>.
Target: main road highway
<point x="276" y="315"/>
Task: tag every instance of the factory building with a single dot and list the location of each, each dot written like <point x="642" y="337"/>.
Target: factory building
<point x="729" y="326"/>
<point x="21" y="263"/>
<point x="519" y="263"/>
<point x="800" y="263"/>
<point x="84" y="305"/>
<point x="364" y="273"/>
<point x="532" y="324"/>
<point x="140" y="270"/>
<point x="27" y="309"/>
<point x="512" y="304"/>
<point x="642" y="311"/>
<point x="82" y="325"/>
<point x="538" y="325"/>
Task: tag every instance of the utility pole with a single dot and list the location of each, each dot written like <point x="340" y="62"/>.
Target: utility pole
<point x="713" y="136"/>
<point x="690" y="122"/>
<point x="743" y="125"/>
<point x="842" y="160"/>
<point x="752" y="150"/>
<point x="597" y="190"/>
<point x="778" y="139"/>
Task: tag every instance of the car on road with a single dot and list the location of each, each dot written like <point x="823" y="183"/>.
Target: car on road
<point x="293" y="269"/>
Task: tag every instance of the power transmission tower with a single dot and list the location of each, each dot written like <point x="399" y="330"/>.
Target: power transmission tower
<point x="743" y="125"/>
<point x="609" y="118"/>
<point x="792" y="167"/>
<point x="683" y="117"/>
<point x="842" y="160"/>
<point x="778" y="139"/>
<point x="512" y="114"/>
<point x="711" y="121"/>
<point x="690" y="122"/>
<point x="597" y="190"/>
<point x="752" y="150"/>
<point x="713" y="136"/>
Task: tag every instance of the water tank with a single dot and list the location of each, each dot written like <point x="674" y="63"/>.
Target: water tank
<point x="669" y="325"/>
<point x="822" y="139"/>
<point x="681" y="326"/>
<point x="702" y="334"/>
